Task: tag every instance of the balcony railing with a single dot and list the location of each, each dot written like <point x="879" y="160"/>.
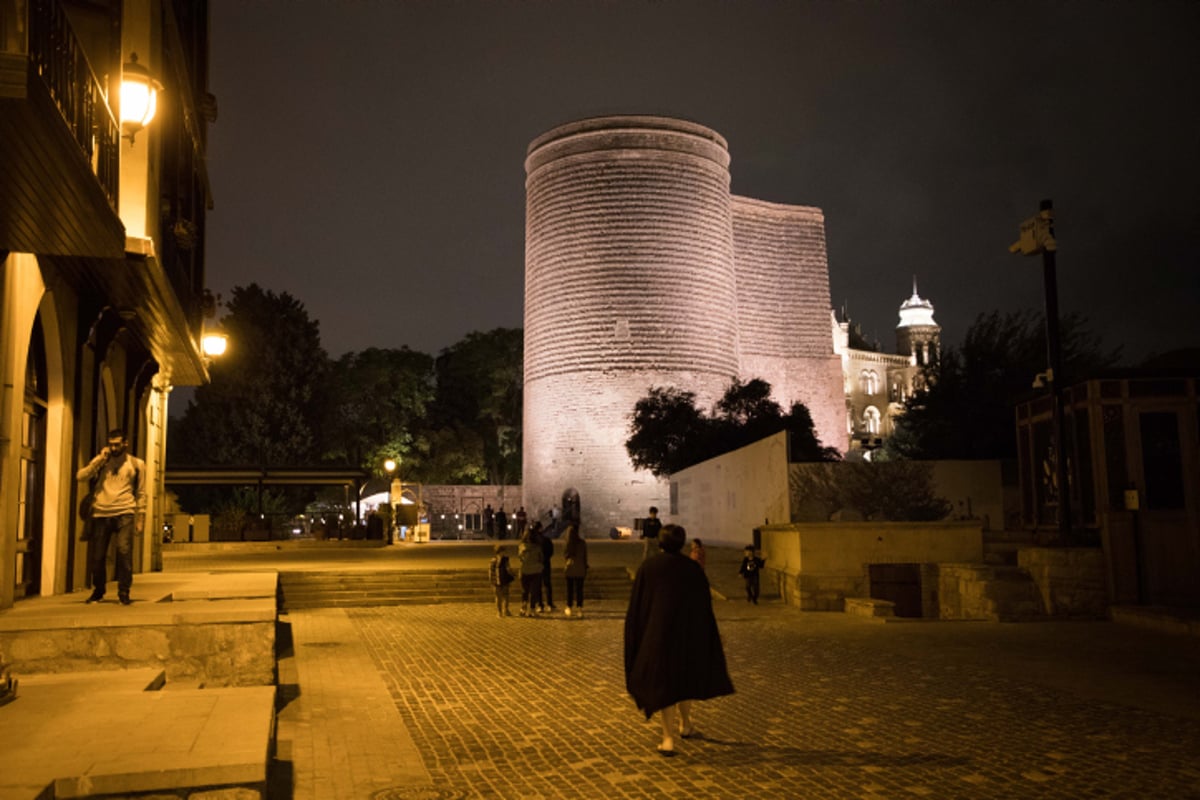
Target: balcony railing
<point x="58" y="61"/>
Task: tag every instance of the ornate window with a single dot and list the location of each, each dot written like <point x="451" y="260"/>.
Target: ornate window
<point x="871" y="420"/>
<point x="868" y="381"/>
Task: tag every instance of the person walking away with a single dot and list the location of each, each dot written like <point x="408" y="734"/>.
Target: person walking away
<point x="673" y="652"/>
<point x="650" y="528"/>
<point x="751" y="567"/>
<point x="575" y="567"/>
<point x="697" y="553"/>
<point x="530" y="554"/>
<point x="501" y="578"/>
<point x="119" y="510"/>
<point x="501" y="524"/>
<point x="521" y="519"/>
<point x="547" y="575"/>
<point x="489" y="521"/>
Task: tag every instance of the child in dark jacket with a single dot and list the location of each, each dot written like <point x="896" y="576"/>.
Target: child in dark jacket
<point x="751" y="566"/>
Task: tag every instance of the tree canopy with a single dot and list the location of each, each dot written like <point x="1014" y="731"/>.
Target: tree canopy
<point x="669" y="433"/>
<point x="277" y="399"/>
<point x="965" y="410"/>
<point x="264" y="403"/>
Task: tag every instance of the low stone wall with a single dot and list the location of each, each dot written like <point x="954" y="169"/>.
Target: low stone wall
<point x="959" y="591"/>
<point x="1072" y="580"/>
<point x="212" y="654"/>
<point x="816" y="566"/>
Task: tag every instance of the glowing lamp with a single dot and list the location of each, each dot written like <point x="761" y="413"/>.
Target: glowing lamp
<point x="214" y="344"/>
<point x="139" y="97"/>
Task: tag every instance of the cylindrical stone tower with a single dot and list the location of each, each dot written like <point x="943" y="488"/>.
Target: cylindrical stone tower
<point x="629" y="283"/>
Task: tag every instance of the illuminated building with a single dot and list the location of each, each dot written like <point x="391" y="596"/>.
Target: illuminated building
<point x="641" y="270"/>
<point x="101" y="260"/>
<point x="877" y="383"/>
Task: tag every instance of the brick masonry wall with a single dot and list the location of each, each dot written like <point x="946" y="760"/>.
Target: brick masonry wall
<point x="629" y="284"/>
<point x="783" y="309"/>
<point x="641" y="270"/>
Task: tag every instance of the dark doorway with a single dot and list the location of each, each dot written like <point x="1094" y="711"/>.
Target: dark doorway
<point x="899" y="583"/>
<point x="32" y="470"/>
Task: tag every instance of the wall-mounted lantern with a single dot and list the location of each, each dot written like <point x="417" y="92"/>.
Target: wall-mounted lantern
<point x="139" y="97"/>
<point x="214" y="344"/>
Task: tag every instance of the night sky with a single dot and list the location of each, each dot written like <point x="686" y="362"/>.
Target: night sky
<point x="369" y="156"/>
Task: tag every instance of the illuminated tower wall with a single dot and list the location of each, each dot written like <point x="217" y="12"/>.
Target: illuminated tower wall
<point x="783" y="310"/>
<point x="633" y="253"/>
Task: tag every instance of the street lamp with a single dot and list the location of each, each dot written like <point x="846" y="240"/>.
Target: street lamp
<point x="394" y="491"/>
<point x="1037" y="238"/>
<point x="139" y="97"/>
<point x="214" y="344"/>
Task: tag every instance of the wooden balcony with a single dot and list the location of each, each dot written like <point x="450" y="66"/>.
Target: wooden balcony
<point x="59" y="167"/>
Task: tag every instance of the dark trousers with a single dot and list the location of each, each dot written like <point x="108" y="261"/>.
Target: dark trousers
<point x="104" y="530"/>
<point x="547" y="589"/>
<point x="531" y="591"/>
<point x="752" y="587"/>
<point x="575" y="592"/>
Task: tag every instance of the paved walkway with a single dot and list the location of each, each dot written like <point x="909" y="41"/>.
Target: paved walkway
<point x="447" y="701"/>
<point x="826" y="706"/>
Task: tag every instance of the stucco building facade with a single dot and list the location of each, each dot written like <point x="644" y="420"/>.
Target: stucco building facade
<point x="101" y="263"/>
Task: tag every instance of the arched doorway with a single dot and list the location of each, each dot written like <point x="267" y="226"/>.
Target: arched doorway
<point x="32" y="469"/>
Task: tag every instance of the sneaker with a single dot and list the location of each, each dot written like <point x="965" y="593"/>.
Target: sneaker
<point x="579" y="613"/>
<point x="125" y="600"/>
<point x="94" y="597"/>
<point x="568" y="611"/>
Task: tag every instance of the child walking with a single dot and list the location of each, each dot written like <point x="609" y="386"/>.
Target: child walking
<point x="751" y="566"/>
<point x="501" y="578"/>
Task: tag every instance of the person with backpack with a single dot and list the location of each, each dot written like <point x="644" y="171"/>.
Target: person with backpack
<point x="118" y="510"/>
<point x="501" y="578"/>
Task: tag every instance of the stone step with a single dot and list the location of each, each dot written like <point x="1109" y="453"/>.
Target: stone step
<point x="298" y="590"/>
<point x="172" y="743"/>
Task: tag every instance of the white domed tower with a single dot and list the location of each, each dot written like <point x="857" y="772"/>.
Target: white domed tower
<point x="629" y="283"/>
<point x="917" y="335"/>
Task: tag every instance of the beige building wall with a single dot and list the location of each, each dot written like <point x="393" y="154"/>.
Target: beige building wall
<point x="722" y="500"/>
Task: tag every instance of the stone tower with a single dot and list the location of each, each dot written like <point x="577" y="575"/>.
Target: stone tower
<point x="634" y="259"/>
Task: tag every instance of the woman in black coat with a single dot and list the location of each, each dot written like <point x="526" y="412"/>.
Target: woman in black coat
<point x="673" y="650"/>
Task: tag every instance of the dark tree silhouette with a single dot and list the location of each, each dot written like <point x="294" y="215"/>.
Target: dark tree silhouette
<point x="668" y="433"/>
<point x="966" y="408"/>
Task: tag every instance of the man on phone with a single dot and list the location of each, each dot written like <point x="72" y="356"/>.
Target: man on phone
<point x="119" y="510"/>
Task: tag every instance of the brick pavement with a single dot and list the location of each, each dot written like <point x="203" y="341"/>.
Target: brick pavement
<point x="338" y="727"/>
<point x="826" y="706"/>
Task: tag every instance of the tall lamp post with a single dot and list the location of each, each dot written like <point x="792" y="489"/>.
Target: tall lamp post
<point x="1037" y="238"/>
<point x="395" y="488"/>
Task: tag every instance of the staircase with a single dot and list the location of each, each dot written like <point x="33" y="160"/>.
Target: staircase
<point x="340" y="589"/>
<point x="991" y="592"/>
<point x="1000" y="547"/>
<point x="1013" y="596"/>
